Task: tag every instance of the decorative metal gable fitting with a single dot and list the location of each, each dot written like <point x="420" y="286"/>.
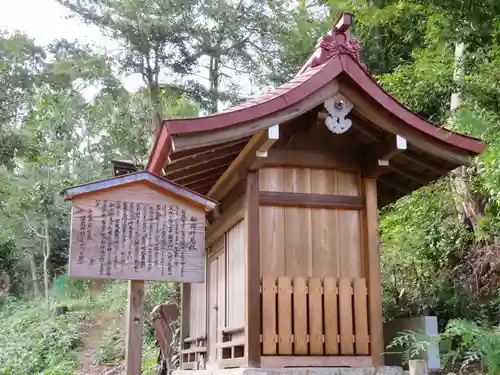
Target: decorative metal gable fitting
<point x="338" y="107"/>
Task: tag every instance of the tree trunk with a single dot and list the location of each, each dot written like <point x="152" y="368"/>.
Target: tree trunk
<point x="154" y="97"/>
<point x="469" y="206"/>
<point x="34" y="278"/>
<point x="214" y="83"/>
<point x="46" y="256"/>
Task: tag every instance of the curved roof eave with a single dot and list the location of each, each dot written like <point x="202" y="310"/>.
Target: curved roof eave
<point x="366" y="83"/>
<point x="292" y="92"/>
<point x="297" y="89"/>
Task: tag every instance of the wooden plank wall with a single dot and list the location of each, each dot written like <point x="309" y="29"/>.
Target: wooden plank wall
<point x="235" y="250"/>
<point x="216" y="304"/>
<point x="226" y="307"/>
<point x="198" y="310"/>
<point x="298" y="241"/>
<point x="330" y="316"/>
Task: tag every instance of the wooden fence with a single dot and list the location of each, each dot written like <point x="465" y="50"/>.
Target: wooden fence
<point x="314" y="316"/>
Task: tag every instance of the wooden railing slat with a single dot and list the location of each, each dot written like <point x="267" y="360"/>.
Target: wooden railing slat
<point x="331" y="316"/>
<point x="300" y="315"/>
<point x="346" y="318"/>
<point x="315" y="316"/>
<point x="269" y="315"/>
<point x="361" y="317"/>
<point x="284" y="316"/>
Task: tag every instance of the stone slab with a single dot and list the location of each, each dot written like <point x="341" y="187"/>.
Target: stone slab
<point x="424" y="324"/>
<point x="384" y="370"/>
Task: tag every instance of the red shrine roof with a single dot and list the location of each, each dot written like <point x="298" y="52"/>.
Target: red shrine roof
<point x="337" y="57"/>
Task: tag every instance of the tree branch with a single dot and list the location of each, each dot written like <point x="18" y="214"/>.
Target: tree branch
<point x="32" y="228"/>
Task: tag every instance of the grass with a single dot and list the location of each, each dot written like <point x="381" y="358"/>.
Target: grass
<point x="33" y="341"/>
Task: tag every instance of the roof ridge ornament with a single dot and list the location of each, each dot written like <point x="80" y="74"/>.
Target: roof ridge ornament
<point x="338" y="107"/>
<point x="337" y="41"/>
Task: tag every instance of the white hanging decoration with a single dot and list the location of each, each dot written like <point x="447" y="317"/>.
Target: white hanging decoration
<point x="338" y="107"/>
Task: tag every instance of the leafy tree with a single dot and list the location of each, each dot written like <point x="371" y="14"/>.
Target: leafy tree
<point x="168" y="42"/>
<point x="20" y="65"/>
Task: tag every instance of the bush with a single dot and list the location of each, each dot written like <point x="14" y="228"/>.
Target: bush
<point x="462" y="343"/>
<point x="35" y="342"/>
<point x="112" y="347"/>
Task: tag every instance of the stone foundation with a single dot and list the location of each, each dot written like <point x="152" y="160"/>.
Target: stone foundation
<point x="384" y="370"/>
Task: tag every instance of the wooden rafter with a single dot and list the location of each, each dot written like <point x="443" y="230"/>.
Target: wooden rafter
<point x="200" y="186"/>
<point x="391" y="124"/>
<point x="423" y="163"/>
<point x="201" y="167"/>
<point x="380" y="155"/>
<point x="392" y="186"/>
<point x="251" y="157"/>
<point x="366" y="130"/>
<point x="408" y="174"/>
<point x="202" y="175"/>
<point x="198" y="156"/>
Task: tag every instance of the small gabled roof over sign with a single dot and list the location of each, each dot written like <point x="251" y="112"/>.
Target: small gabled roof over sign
<point x="139" y="177"/>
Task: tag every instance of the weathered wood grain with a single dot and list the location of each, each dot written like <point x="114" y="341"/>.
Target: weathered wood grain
<point x="136" y="233"/>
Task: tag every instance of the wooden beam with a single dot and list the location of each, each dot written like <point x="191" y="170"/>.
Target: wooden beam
<point x="390" y="147"/>
<point x="271" y="198"/>
<point x="225" y="222"/>
<point x="373" y="267"/>
<point x="161" y="151"/>
<point x="255" y="149"/>
<point x="344" y="22"/>
<point x="311" y="159"/>
<point x="273" y="134"/>
<point x="380" y="155"/>
<point x="252" y="271"/>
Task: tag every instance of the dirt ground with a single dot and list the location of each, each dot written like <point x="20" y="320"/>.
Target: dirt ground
<point x="98" y="324"/>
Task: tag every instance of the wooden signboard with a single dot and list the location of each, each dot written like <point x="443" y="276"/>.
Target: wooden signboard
<point x="137" y="229"/>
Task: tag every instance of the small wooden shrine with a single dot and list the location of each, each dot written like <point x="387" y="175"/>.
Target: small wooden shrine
<point x="292" y="251"/>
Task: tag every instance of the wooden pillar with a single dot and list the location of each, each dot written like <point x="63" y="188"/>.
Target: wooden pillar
<point x="133" y="350"/>
<point x="373" y="268"/>
<point x="252" y="271"/>
<point x="185" y="312"/>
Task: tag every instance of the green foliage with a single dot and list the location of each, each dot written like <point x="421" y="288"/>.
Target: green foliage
<point x="149" y="358"/>
<point x="112" y="347"/>
<point x="53" y="135"/>
<point x="463" y="343"/>
<point x="34" y="342"/>
<point x="421" y="247"/>
<point x="428" y="82"/>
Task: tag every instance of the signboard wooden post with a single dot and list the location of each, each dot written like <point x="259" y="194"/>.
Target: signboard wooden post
<point x="137" y="227"/>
